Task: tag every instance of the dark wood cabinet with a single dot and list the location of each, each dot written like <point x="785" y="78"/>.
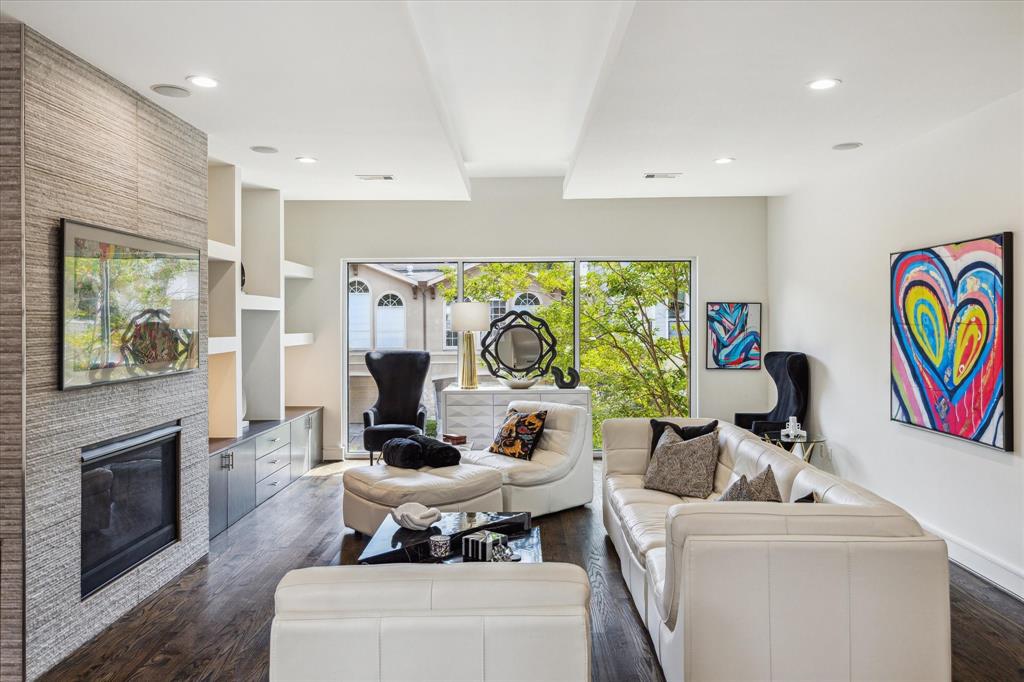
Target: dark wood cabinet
<point x="241" y="481"/>
<point x="247" y="471"/>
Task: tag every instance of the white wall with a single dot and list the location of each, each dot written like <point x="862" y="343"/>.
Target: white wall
<point x="828" y="261"/>
<point x="527" y="218"/>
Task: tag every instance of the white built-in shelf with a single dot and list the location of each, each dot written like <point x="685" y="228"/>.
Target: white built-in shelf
<point x="222" y="344"/>
<point x="251" y="302"/>
<point x="298" y="339"/>
<point x="293" y="270"/>
<point x="219" y="251"/>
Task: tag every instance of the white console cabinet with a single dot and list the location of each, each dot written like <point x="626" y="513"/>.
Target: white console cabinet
<point x="479" y="412"/>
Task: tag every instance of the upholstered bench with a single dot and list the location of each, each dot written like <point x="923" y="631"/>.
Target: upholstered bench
<point x="372" y="491"/>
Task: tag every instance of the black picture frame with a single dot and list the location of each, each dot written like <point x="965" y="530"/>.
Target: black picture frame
<point x="707" y="337"/>
<point x="1007" y="424"/>
<point x="66" y="233"/>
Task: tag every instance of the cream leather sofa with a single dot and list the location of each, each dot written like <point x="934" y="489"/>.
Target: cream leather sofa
<point x="432" y="622"/>
<point x="560" y="475"/>
<point x="849" y="588"/>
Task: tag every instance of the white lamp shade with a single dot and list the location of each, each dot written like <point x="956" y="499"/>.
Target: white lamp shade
<point x="470" y="316"/>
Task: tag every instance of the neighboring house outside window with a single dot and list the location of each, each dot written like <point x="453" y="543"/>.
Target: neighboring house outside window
<point x="390" y="321"/>
<point x="451" y="338"/>
<point x="526" y="301"/>
<point x="359" y="315"/>
<point x="497" y="307"/>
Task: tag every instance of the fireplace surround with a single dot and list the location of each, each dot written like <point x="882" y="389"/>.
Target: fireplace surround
<point x="129" y="503"/>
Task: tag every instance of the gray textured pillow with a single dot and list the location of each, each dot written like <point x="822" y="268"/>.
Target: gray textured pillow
<point x="683" y="467"/>
<point x="739" y="491"/>
<point x="764" y="486"/>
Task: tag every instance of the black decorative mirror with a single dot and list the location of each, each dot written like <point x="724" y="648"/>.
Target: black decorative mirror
<point x="518" y="349"/>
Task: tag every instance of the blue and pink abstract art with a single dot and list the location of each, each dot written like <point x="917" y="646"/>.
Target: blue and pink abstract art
<point x="734" y="336"/>
<point x="951" y="345"/>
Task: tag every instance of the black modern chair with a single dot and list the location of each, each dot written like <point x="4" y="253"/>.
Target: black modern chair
<point x="398" y="413"/>
<point x="792" y="377"/>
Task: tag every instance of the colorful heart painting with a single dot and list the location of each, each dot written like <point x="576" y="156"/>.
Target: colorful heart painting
<point x="950" y="339"/>
<point x="734" y="336"/>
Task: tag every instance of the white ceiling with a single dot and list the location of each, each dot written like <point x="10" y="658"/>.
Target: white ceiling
<point x="598" y="92"/>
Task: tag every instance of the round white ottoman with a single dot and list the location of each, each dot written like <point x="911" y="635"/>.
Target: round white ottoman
<point x="373" y="491"/>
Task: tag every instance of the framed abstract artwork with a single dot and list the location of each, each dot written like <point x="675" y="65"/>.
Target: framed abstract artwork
<point x="951" y="344"/>
<point x="733" y="336"/>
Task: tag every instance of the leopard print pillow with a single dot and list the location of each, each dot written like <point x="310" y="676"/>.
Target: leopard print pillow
<point x="519" y="435"/>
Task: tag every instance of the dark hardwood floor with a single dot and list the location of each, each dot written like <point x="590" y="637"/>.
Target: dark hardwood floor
<point x="213" y="623"/>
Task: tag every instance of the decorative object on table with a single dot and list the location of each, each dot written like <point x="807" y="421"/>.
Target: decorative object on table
<point x="733" y="336"/>
<point x="807" y="442"/>
<point x="519" y="434"/>
<point x="437" y="453"/>
<point x="572" y="382"/>
<point x="791" y="373"/>
<point x="440" y="546"/>
<point x="504" y="553"/>
<point x="398" y="411"/>
<point x="951" y="340"/>
<point x="518" y="348"/>
<point x="793" y="430"/>
<point x="469" y="317"/>
<point x="415" y="516"/>
<point x="403" y="453"/>
<point x="130" y="307"/>
<point x="479" y="546"/>
<point x="241" y="286"/>
<point x="453" y="438"/>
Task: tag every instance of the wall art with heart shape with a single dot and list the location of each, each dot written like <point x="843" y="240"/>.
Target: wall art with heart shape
<point x="734" y="336"/>
<point x="951" y="341"/>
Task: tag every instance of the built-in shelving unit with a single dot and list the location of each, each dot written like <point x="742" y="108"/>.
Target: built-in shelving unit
<point x="254" y="302"/>
<point x="298" y="339"/>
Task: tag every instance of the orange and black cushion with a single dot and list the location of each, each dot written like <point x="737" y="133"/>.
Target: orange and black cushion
<point x="519" y="435"/>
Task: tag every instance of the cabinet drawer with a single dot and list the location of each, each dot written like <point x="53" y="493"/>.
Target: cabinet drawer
<point x="501" y="402"/>
<point x="269" y="463"/>
<point x="272" y="440"/>
<point x="273" y="484"/>
<point x="468" y="399"/>
<point x="579" y="399"/>
<point x="467" y="412"/>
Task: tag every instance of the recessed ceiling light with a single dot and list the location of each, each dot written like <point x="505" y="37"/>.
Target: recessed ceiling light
<point x="202" y="81"/>
<point x="724" y="160"/>
<point x="661" y="176"/>
<point x="824" y="83"/>
<point x="169" y="90"/>
<point x="377" y="176"/>
<point x="847" y="146"/>
<point x="263" y="149"/>
<point x="305" y="159"/>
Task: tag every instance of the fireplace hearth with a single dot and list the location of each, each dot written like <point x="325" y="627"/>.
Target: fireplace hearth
<point x="129" y="503"/>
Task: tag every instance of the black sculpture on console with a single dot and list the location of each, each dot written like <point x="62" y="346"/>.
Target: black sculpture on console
<point x="572" y="382"/>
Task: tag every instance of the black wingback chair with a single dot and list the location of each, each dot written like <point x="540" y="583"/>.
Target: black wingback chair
<point x="792" y="377"/>
<point x="398" y="413"/>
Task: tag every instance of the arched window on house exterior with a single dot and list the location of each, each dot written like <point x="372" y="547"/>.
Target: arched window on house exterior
<point x="390" y="321"/>
<point x="359" y="315"/>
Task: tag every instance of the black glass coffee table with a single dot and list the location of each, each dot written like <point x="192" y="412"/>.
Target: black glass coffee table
<point x="392" y="544"/>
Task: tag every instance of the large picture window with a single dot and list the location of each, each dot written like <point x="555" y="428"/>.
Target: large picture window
<point x="625" y="325"/>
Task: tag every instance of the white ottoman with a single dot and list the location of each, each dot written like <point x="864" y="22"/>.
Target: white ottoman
<point x="372" y="491"/>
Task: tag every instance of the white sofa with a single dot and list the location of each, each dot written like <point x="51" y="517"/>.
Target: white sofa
<point x="849" y="588"/>
<point x="432" y="622"/>
<point x="560" y="475"/>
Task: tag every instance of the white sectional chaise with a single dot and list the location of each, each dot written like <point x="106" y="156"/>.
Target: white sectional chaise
<point x="848" y="588"/>
<point x="474" y="621"/>
<point x="558" y="476"/>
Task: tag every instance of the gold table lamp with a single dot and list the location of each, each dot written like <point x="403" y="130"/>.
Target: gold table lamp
<point x="469" y="317"/>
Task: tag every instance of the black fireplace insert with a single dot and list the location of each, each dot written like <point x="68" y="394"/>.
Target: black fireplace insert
<point x="129" y="503"/>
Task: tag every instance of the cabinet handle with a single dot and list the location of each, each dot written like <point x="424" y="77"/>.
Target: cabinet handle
<point x="231" y="460"/>
<point x="273" y="483"/>
<point x="225" y="460"/>
<point x="273" y="461"/>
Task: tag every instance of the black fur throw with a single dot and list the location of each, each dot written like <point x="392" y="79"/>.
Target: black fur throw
<point x="437" y="453"/>
<point x="404" y="453"/>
